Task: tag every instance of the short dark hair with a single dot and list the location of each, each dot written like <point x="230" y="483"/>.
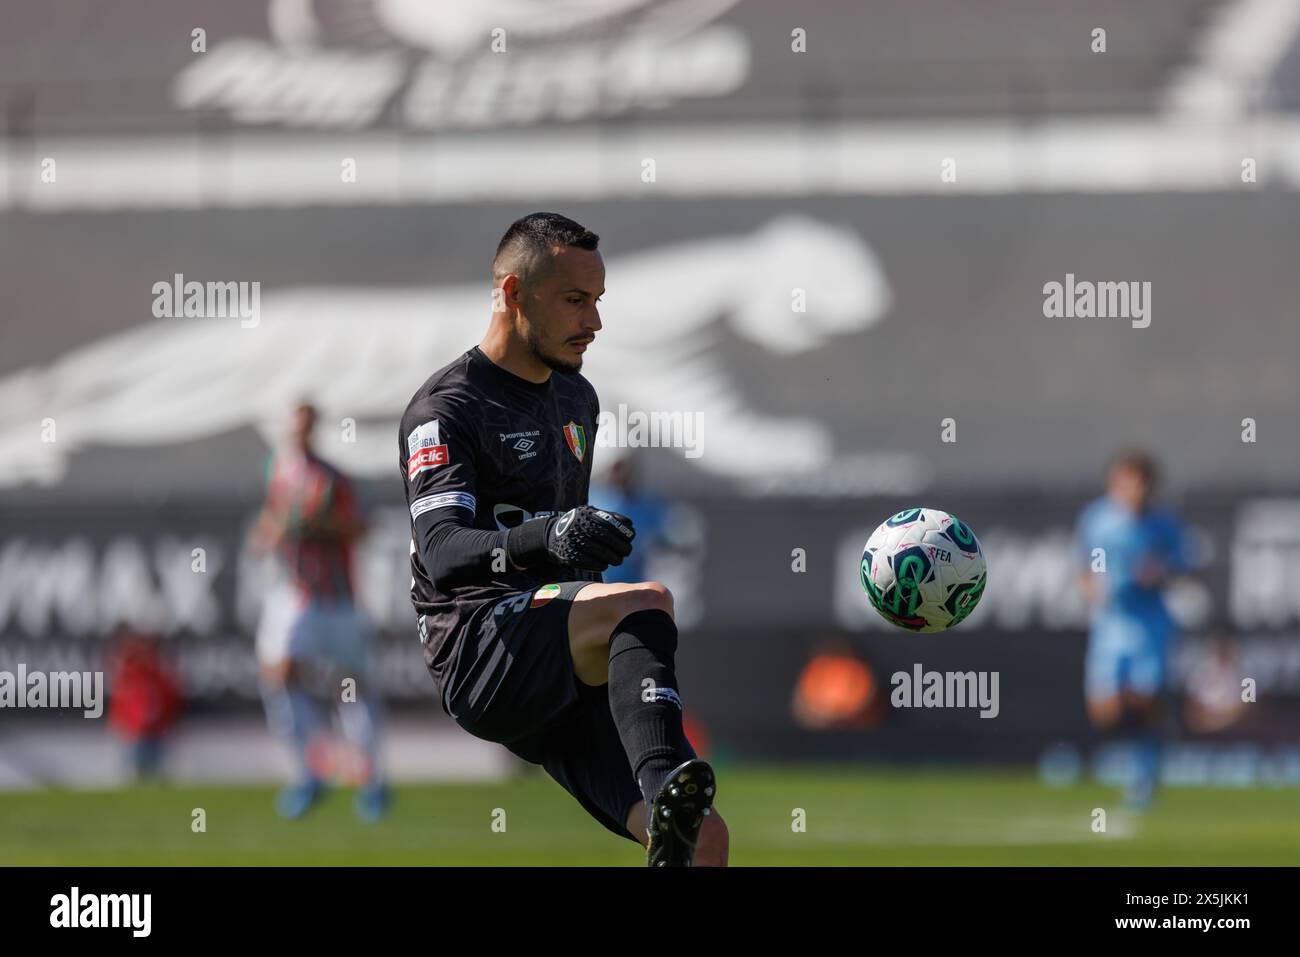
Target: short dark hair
<point x="526" y="247"/>
<point x="1139" y="461"/>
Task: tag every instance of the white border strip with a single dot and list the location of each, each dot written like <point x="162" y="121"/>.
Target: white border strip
<point x="1147" y="155"/>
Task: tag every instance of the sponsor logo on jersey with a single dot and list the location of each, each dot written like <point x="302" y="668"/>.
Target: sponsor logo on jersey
<point x="543" y="595"/>
<point x="525" y="444"/>
<point x="425" y="459"/>
<point x="576" y="436"/>
<point x="423" y="437"/>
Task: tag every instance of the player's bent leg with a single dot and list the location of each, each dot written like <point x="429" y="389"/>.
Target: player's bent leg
<point x="682" y="805"/>
<point x="596" y="611"/>
<point x="1141" y="720"/>
<point x="636" y="823"/>
<point x="297" y="718"/>
<point x="1103" y="682"/>
<point x="347" y="640"/>
<point x="625" y="635"/>
<point x="274" y="673"/>
<point x="275" y="699"/>
<point x="714" y="841"/>
<point x="1104" y="711"/>
<point x="1142" y="706"/>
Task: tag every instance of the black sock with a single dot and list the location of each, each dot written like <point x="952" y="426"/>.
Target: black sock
<point x="643" y="698"/>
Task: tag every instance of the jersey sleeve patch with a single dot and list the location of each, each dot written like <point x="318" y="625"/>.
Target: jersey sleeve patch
<point x="423" y="436"/>
<point x="444" y="500"/>
<point x="424" y="449"/>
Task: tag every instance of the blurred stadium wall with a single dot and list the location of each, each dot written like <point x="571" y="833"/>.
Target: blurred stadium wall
<point x="919" y="172"/>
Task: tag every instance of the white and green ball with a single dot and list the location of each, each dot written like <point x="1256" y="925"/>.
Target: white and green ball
<point x="923" y="569"/>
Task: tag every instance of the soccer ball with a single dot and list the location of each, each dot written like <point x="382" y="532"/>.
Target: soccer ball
<point x="923" y="569"/>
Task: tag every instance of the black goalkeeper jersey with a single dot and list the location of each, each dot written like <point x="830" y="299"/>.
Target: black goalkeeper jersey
<point x="481" y="448"/>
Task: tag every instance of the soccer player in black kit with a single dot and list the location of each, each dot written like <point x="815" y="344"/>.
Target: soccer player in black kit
<point x="526" y="645"/>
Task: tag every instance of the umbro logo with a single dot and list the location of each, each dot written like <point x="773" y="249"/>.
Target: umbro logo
<point x="525" y="443"/>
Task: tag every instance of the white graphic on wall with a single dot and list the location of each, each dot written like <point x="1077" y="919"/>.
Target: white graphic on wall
<point x="360" y="353"/>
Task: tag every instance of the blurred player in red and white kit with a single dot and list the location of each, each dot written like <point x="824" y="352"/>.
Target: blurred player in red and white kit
<point x="311" y="626"/>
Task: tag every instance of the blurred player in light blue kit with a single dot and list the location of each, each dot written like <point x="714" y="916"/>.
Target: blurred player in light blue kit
<point x="1129" y="549"/>
<point x="620" y="491"/>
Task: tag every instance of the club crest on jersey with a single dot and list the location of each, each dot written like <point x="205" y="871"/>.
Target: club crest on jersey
<point x="543" y="595"/>
<point x="576" y="436"/>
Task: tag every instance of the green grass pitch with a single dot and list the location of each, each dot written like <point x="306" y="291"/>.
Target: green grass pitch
<point x="853" y="817"/>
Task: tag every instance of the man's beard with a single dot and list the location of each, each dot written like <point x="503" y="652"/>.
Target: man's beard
<point x="551" y="362"/>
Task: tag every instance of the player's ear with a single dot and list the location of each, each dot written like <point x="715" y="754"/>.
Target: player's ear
<point x="508" y="293"/>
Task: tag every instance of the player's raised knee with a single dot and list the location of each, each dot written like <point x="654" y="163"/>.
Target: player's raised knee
<point x="651" y="596"/>
<point x="608" y="608"/>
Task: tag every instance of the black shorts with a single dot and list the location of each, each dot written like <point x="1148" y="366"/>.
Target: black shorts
<point x="513" y="682"/>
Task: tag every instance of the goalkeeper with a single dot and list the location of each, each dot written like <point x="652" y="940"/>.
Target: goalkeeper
<point x="526" y="645"/>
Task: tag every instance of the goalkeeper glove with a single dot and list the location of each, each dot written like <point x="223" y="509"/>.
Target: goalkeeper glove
<point x="583" y="537"/>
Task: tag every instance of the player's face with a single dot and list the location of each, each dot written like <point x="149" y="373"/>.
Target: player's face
<point x="1129" y="487"/>
<point x="558" y="312"/>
